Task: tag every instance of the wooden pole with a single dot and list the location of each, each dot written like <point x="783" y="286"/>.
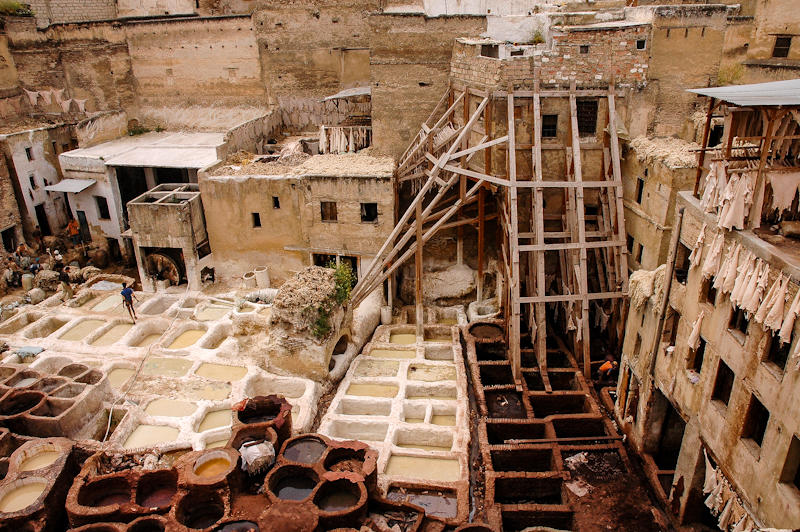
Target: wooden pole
<point x="418" y="269"/>
<point x="706" y="132"/>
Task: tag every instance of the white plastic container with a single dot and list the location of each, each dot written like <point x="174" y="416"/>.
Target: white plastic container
<point x="262" y="276"/>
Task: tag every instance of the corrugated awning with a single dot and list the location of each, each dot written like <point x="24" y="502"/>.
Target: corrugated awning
<point x="770" y="94"/>
<point x="70" y="185"/>
<point x="349" y="93"/>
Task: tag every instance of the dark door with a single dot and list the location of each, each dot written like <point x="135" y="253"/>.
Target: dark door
<point x="132" y="183"/>
<point x="86" y="236"/>
<point x="9" y="239"/>
<point x="69" y="207"/>
<point x="41" y="219"/>
<point x="171" y="175"/>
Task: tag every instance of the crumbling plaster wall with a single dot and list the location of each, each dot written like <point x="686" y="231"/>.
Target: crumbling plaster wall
<point x="59" y="11"/>
<point x="154" y="8"/>
<point x="684" y="53"/>
<point x="753" y="469"/>
<point x="87" y="61"/>
<point x="650" y="222"/>
<point x="9" y="79"/>
<point x="409" y="62"/>
<point x="348" y="235"/>
<point x="230" y="201"/>
<point x="9" y="210"/>
<point x="199" y="61"/>
<point x="42" y="169"/>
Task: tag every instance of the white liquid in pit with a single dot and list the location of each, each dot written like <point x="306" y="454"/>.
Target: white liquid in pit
<point x="444" y="420"/>
<point x="372" y="390"/>
<point x="403" y="338"/>
<point x="39" y="460"/>
<point x="110" y="304"/>
<point x="118" y="377"/>
<point x="148" y="340"/>
<point x="81" y="330"/>
<point x="113" y="334"/>
<point x="212" y="312"/>
<point x="186" y="339"/>
<point x="221" y="372"/>
<point x="393" y="353"/>
<point x="439" y="469"/>
<point x="149" y="435"/>
<point x="166" y="367"/>
<point x="217" y="418"/>
<point x="169" y="408"/>
<point x="21" y="497"/>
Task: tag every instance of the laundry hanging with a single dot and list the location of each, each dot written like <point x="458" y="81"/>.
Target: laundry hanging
<point x="697" y="252"/>
<point x="727" y="276"/>
<point x="744" y="272"/>
<point x="713" y="257"/>
<point x="768" y="300"/>
<point x="751" y="299"/>
<point x="694" y="336"/>
<point x="736" y="201"/>
<point x="715" y="186"/>
<point x="784" y="189"/>
<point x="787" y="326"/>
<point x="774" y="318"/>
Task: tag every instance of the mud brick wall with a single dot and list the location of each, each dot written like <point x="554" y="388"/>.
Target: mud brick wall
<point x="9" y="210"/>
<point x="59" y="11"/>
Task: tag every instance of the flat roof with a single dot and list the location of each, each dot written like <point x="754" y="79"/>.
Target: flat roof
<point x="156" y="149"/>
<point x="773" y="93"/>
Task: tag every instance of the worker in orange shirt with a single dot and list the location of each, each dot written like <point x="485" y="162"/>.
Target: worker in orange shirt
<point x="608" y="371"/>
<point x="74" y="231"/>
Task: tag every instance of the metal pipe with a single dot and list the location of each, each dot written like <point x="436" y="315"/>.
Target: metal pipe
<point x="673" y="251"/>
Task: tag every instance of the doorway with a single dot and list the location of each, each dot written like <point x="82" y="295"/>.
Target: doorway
<point x="171" y="175"/>
<point x="9" y="239"/>
<point x="41" y="219"/>
<point x="132" y="183"/>
<point x="86" y="236"/>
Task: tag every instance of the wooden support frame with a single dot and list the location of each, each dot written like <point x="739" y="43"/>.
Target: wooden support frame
<point x="577" y="240"/>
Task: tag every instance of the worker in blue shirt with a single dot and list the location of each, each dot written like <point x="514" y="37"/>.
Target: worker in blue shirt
<point x="127" y="300"/>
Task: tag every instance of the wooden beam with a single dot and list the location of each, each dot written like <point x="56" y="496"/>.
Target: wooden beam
<point x="706" y="132"/>
<point x="541" y="323"/>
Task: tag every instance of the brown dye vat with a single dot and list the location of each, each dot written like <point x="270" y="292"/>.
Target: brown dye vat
<point x="150" y="523"/>
<point x="304" y="449"/>
<point x="490" y="351"/>
<point x="246" y="434"/>
<point x="499" y="433"/>
<point x="559" y="381"/>
<point x="100" y="527"/>
<point x="514" y="520"/>
<point x="405" y="516"/>
<point x="524" y="490"/>
<point x="516" y="459"/>
<point x="73" y="370"/>
<point x="439" y="503"/>
<point x="284" y="516"/>
<point x="582" y="427"/>
<point x="559" y="359"/>
<point x="292" y="483"/>
<point x="341" y="502"/>
<point x="48" y="384"/>
<point x="270" y="411"/>
<point x="92" y="377"/>
<point x="238" y="526"/>
<point x="68" y="391"/>
<point x="549" y="405"/>
<point x="496" y="375"/>
<point x="17" y="402"/>
<point x="487" y="332"/>
<point x="156" y="490"/>
<point x="200" y="509"/>
<point x="505" y="404"/>
<point x="110" y="491"/>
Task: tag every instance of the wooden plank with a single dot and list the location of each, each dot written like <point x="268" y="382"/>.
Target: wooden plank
<point x="572" y="297"/>
<point x="514" y="332"/>
<point x="541" y="323"/>
<point x="477" y="175"/>
<point x="418" y="274"/>
<point x="582" y="93"/>
<point x="616" y="166"/>
<point x="581" y="222"/>
<point x="479" y="147"/>
<point x="572" y="245"/>
<point x="569" y="184"/>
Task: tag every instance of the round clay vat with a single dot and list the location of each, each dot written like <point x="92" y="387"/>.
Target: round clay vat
<point x="303" y="449"/>
<point x="105" y="492"/>
<point x="291" y="483"/>
<point x="237" y="526"/>
<point x="474" y="527"/>
<point x="48" y="384"/>
<point x="23" y="494"/>
<point x="487" y="332"/>
<point x="99" y="527"/>
<point x="156" y="490"/>
<point x="261" y="409"/>
<point x="200" y="509"/>
<point x="212" y="467"/>
<point x="150" y="523"/>
<point x="18" y="402"/>
<point x="35" y="456"/>
<point x="341" y="502"/>
<point x="244" y="434"/>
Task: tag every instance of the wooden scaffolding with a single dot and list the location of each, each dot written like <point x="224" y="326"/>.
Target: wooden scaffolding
<point x="551" y="239"/>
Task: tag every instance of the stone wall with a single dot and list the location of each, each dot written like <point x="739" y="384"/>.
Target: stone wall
<point x="154" y="8"/>
<point x="9" y="210"/>
<point x="208" y="61"/>
<point x="59" y="11"/>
